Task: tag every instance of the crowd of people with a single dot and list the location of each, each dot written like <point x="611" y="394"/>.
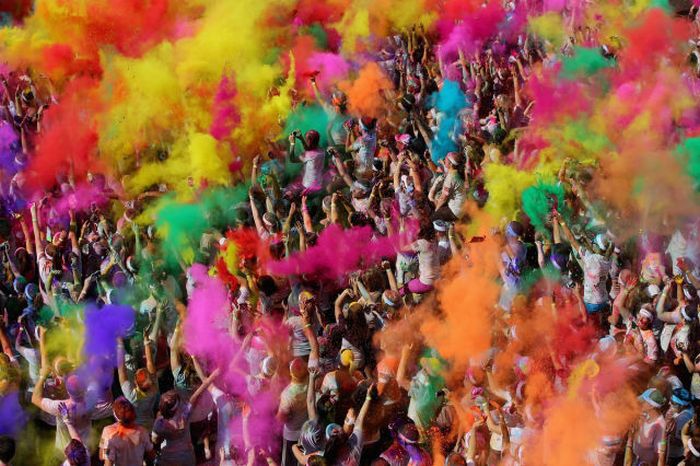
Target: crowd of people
<point x="341" y="397"/>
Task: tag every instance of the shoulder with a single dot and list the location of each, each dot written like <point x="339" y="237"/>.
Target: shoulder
<point x="109" y="431"/>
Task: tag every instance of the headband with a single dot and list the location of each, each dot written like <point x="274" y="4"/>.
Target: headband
<point x="692" y="449"/>
<point x="388" y="301"/>
<point x="685" y="315"/>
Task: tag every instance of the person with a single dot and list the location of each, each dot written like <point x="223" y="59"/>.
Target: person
<point x="292" y="408"/>
<point x="453" y="193"/>
<point x="346" y="449"/>
<point x="171" y="429"/>
<point x="678" y="415"/>
<point x="143" y="392"/>
<point x="649" y="439"/>
<point x="364" y="145"/>
<point x="79" y="413"/>
<point x="125" y="442"/>
<point x="312" y="158"/>
<point x="596" y="267"/>
<point x="428" y="262"/>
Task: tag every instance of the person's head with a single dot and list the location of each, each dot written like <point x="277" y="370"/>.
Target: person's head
<point x="75" y="387"/>
<point x="312" y="437"/>
<point x="692" y="458"/>
<point x="316" y="460"/>
<point x="455" y="459"/>
<point x="97" y="179"/>
<point x="268" y="367"/>
<point x="18" y="284"/>
<point x="645" y="318"/>
<point x="124" y="411"/>
<point x="653" y="402"/>
<point x="360" y="190"/>
<point x="559" y="257"/>
<point x="298" y="371"/>
<point x="7" y="448"/>
<point x="52" y="253"/>
<point x="408" y="434"/>
<point x="391" y="300"/>
<point x="514" y="230"/>
<point x="270" y="221"/>
<point x="76" y="453"/>
<point x="367" y="124"/>
<point x="143" y="380"/>
<point x="312" y="139"/>
<point x="62" y="367"/>
<point x="266" y="285"/>
<point x="30" y="293"/>
<point x="335" y="443"/>
<point x="427" y="231"/>
<point x="339" y="101"/>
<point x="453" y="160"/>
<point x="59" y="239"/>
<point x="680" y="399"/>
<point x="169" y="404"/>
<point x="440" y="226"/>
<point x="402" y="141"/>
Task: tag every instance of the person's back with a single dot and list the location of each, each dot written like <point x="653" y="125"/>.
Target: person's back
<point x="124" y="442"/>
<point x="76" y="411"/>
<point x="125" y="446"/>
<point x="172" y="431"/>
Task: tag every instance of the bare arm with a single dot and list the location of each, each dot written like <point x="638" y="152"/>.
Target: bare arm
<point x="342" y="171"/>
<point x="35" y="226"/>
<point x="311" y="395"/>
<point x="569" y="236"/>
<point x="175" y="350"/>
<point x="38" y="393"/>
<point x="308" y="224"/>
<point x="401" y="377"/>
<point x="121" y="366"/>
<point x="204" y="386"/>
<point x="148" y="353"/>
<point x="339" y="303"/>
<point x="259" y="226"/>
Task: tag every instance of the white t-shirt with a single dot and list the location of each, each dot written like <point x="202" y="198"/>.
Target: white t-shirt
<point x="595" y="275"/>
<point x="125" y="447"/>
<point x="428" y="261"/>
<point x="453" y="187"/>
<point x="313" y="168"/>
<point x="79" y="416"/>
<point x="365" y="145"/>
<point x="225" y="409"/>
<point x="648" y="438"/>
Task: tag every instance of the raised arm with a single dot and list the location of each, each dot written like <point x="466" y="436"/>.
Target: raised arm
<point x="259" y="226"/>
<point x="371" y="396"/>
<point x="175" y="363"/>
<point x="121" y="365"/>
<point x="308" y="224"/>
<point x="5" y="342"/>
<point x="386" y="265"/>
<point x="401" y="375"/>
<point x="38" y="393"/>
<point x="567" y="232"/>
<point x="35" y="226"/>
<point x="204" y="386"/>
<point x="311" y="395"/>
<point x="341" y="169"/>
